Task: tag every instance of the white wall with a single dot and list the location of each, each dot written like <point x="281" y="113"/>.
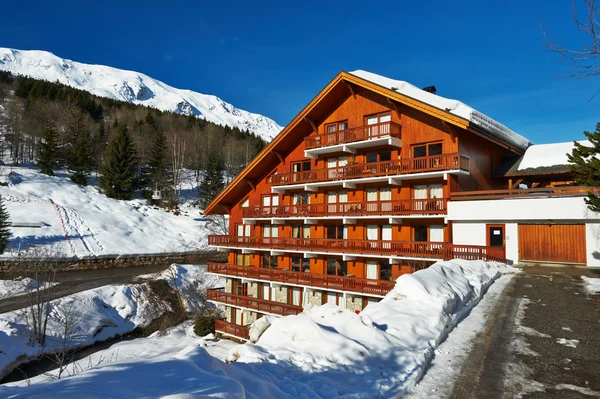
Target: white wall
<point x="521" y="209"/>
<point x="592" y="243"/>
<point x="469" y="234"/>
<point x="512" y="243"/>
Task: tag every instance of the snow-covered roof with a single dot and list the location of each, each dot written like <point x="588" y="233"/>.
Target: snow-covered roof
<point x="548" y="155"/>
<point x="455" y="107"/>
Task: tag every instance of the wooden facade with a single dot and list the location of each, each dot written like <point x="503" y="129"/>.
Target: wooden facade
<point x="561" y="243"/>
<point x="351" y="195"/>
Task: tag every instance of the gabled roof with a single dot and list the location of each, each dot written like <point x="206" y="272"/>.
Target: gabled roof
<point x="450" y="111"/>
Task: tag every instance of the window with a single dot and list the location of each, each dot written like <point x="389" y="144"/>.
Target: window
<point x="302" y="166"/>
<point x="334" y="197"/>
<point x="270" y="204"/>
<point x="385" y="271"/>
<point x="336" y="267"/>
<point x="300" y="231"/>
<point x="429" y="194"/>
<point x="380" y="156"/>
<point x="377" y="120"/>
<point x="301" y="199"/>
<point x="300" y="264"/>
<point x="306" y="265"/>
<point x="336" y="127"/>
<point x="420" y="232"/>
<point x="242" y="259"/>
<point x="336" y="232"/>
<point x="296" y="261"/>
<point x="429" y="149"/>
<point x="436" y="233"/>
<point x="246" y="203"/>
<point x="240" y="288"/>
<point x="269" y="262"/>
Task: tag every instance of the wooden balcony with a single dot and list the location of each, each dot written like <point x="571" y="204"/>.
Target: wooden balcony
<point x="543" y="192"/>
<point x="435" y="163"/>
<point x="232" y="329"/>
<point x="370" y="132"/>
<point x="400" y="249"/>
<point x="429" y="206"/>
<point x="374" y="287"/>
<point x="260" y="305"/>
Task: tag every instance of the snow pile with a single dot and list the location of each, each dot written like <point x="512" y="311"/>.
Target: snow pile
<point x="592" y="285"/>
<point x="133" y="87"/>
<point x="102" y="313"/>
<point x="81" y="221"/>
<point x="326" y="352"/>
<point x="453" y="106"/>
<point x="385" y="348"/>
<point x="548" y="155"/>
<point x="20" y="286"/>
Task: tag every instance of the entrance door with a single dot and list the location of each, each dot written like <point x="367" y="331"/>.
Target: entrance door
<point x="495" y="236"/>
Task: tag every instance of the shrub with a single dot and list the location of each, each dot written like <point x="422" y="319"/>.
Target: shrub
<point x="205" y="324"/>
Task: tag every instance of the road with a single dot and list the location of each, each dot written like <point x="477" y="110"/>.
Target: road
<point x="70" y="282"/>
<point x="541" y="340"/>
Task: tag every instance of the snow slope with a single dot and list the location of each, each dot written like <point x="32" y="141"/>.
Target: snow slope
<point x="325" y="352"/>
<point x="102" y="312"/>
<point x="452" y="106"/>
<point x="80" y="221"/>
<point x="133" y="87"/>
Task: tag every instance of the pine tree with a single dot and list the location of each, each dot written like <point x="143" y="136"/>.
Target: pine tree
<point x="585" y="165"/>
<point x="80" y="159"/>
<point x="119" y="173"/>
<point x="48" y="155"/>
<point x="4" y="227"/>
<point x="157" y="163"/>
<point x="212" y="183"/>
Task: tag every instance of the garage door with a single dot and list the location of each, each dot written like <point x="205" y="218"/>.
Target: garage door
<point x="552" y="243"/>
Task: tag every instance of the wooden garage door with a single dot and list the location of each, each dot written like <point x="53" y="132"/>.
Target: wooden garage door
<point x="552" y="242"/>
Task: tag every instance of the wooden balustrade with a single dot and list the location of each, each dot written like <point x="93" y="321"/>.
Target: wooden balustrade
<point x="432" y="163"/>
<point x="565" y="191"/>
<point x="232" y="329"/>
<point x="375" y="287"/>
<point x="249" y="302"/>
<point x="429" y="206"/>
<point x="410" y="249"/>
<point x="370" y="132"/>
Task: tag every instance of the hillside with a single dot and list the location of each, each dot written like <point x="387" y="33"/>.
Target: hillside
<point x="81" y="221"/>
<point x="135" y="88"/>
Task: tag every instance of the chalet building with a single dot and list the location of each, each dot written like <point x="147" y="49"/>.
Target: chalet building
<point x="375" y="178"/>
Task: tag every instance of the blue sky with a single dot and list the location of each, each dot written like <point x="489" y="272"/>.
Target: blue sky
<point x="272" y="57"/>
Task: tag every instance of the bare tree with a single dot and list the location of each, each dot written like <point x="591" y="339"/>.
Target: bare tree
<point x="38" y="310"/>
<point x="68" y="316"/>
<point x="177" y="161"/>
<point x="584" y="61"/>
<point x="217" y="224"/>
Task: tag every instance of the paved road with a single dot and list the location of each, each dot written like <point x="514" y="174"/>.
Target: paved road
<point x="70" y="282"/>
<point x="542" y="340"/>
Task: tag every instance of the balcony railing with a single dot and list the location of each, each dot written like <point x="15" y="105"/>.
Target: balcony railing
<point x="380" y="130"/>
<point x="429" y="206"/>
<point x="435" y="163"/>
<point x="565" y="191"/>
<point x="232" y="329"/>
<point x="410" y="249"/>
<point x="375" y="287"/>
<point x="259" y="305"/>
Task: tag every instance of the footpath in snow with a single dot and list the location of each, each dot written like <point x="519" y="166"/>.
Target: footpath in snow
<point x="324" y="352"/>
<point x="56" y="217"/>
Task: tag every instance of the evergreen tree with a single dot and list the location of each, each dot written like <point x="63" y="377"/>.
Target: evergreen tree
<point x="80" y="159"/>
<point x="157" y="163"/>
<point x="48" y="155"/>
<point x="585" y="165"/>
<point x="4" y="227"/>
<point x="212" y="183"/>
<point x="120" y="169"/>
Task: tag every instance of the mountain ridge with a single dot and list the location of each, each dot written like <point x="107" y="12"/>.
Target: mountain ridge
<point x="133" y="87"/>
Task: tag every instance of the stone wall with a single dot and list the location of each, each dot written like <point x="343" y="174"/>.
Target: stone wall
<point x="281" y="293"/>
<point x="314" y="297"/>
<point x="354" y="303"/>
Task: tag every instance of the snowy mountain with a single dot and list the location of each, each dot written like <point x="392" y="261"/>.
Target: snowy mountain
<point x="133" y="87"/>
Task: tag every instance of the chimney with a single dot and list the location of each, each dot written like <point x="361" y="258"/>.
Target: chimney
<point x="430" y="89"/>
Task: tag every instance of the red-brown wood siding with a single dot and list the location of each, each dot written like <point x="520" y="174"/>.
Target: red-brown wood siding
<point x="552" y="243"/>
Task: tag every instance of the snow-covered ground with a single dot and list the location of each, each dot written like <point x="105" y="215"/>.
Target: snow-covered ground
<point x="101" y="313"/>
<point x="20" y="286"/>
<point x="592" y="285"/>
<point x="133" y="87"/>
<point x="81" y="221"/>
<point x="324" y="352"/>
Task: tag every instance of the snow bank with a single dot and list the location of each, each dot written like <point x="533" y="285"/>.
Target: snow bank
<point x="592" y="285"/>
<point x="325" y="352"/>
<point x="102" y="313"/>
<point x="548" y="155"/>
<point x="80" y="221"/>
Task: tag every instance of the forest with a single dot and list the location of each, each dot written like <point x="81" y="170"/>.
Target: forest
<point x="55" y="126"/>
